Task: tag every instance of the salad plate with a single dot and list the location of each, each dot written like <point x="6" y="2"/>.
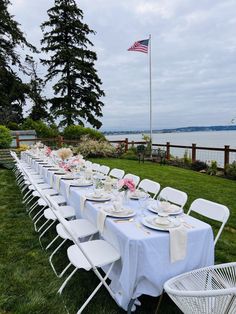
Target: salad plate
<point x="153" y="223"/>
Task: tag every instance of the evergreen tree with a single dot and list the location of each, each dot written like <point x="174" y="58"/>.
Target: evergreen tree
<point x="77" y="89"/>
<point x="36" y="85"/>
<point x="12" y="89"/>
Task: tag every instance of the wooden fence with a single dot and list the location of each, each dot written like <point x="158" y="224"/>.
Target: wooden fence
<point x="59" y="141"/>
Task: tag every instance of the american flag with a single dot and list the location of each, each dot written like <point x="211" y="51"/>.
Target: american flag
<point x="141" y="46"/>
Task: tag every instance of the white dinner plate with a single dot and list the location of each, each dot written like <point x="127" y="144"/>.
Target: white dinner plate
<point x="68" y="177"/>
<point x="150" y="223"/>
<point x="94" y="198"/>
<point x="137" y="197"/>
<point x="77" y="184"/>
<point x="158" y="210"/>
<point x="125" y="213"/>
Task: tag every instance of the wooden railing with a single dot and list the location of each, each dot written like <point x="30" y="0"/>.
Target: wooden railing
<point x="59" y="141"/>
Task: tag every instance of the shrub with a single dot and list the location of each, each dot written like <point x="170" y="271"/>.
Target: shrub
<point x="212" y="169"/>
<point x="131" y="154"/>
<point x="13" y="126"/>
<point x="41" y="128"/>
<point x="5" y="137"/>
<point x="231" y="171"/>
<point x="93" y="148"/>
<point x="198" y="165"/>
<point x="75" y="132"/>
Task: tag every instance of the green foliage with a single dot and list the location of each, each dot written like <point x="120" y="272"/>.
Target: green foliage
<point x="93" y="148"/>
<point x="13" y="126"/>
<point x="187" y="157"/>
<point x="12" y="89"/>
<point x="231" y="170"/>
<point x="75" y="132"/>
<point x="131" y="154"/>
<point x="120" y="148"/>
<point x="71" y="64"/>
<point x="5" y="137"/>
<point x="198" y="165"/>
<point x="212" y="169"/>
<point x="36" y="85"/>
<point x="41" y="128"/>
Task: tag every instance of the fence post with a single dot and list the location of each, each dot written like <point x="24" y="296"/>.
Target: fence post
<point x="193" y="153"/>
<point x="17" y="141"/>
<point x="126" y="144"/>
<point x="168" y="150"/>
<point x="60" y="140"/>
<point x="226" y="156"/>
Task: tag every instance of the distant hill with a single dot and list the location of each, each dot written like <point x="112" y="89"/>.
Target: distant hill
<point x="183" y="129"/>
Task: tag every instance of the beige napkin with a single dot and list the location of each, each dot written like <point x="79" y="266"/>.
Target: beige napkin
<point x="101" y="218"/>
<point x="82" y="203"/>
<point x="51" y="179"/>
<point x="178" y="244"/>
<point x="58" y="181"/>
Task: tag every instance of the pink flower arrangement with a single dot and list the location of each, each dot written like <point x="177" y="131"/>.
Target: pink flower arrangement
<point x="48" y="151"/>
<point x="127" y="184"/>
<point x="64" y="166"/>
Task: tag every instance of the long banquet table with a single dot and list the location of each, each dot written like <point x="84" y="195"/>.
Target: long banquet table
<point x="145" y="253"/>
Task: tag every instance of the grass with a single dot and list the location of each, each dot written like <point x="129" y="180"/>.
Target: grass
<point x="28" y="284"/>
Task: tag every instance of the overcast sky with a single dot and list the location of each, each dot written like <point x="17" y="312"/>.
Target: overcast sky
<point x="193" y="58"/>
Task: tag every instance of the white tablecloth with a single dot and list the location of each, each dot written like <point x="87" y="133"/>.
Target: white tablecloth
<point x="145" y="259"/>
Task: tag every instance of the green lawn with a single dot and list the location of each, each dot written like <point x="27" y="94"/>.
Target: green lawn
<point x="28" y="284"/>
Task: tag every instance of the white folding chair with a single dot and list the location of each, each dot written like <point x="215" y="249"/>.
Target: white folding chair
<point x="104" y="170"/>
<point x="89" y="255"/>
<point x="81" y="227"/>
<point x="88" y="164"/>
<point x="208" y="290"/>
<point x="95" y="167"/>
<point x="117" y="173"/>
<point x="211" y="210"/>
<point x="150" y="186"/>
<point x="173" y="196"/>
<point x="133" y="177"/>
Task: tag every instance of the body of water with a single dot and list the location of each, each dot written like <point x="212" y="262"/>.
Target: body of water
<point x="207" y="139"/>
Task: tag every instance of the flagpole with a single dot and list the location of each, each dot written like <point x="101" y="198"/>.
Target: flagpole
<point x="150" y="91"/>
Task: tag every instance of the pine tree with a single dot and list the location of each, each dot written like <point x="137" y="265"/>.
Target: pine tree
<point x="77" y="89"/>
<point x="12" y="90"/>
<point x="36" y="85"/>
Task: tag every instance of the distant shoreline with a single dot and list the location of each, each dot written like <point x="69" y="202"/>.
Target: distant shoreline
<point x="177" y="130"/>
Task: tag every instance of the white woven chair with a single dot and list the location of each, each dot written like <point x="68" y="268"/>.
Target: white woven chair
<point x="211" y="210"/>
<point x="133" y="177"/>
<point x="208" y="290"/>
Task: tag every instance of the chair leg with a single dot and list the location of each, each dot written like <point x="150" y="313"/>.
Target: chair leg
<point x="51" y="256"/>
<point x="159" y="302"/>
<point x="67" y="279"/>
<point x="43" y="233"/>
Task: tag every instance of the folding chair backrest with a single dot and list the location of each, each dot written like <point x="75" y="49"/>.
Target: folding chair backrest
<point x="212" y="210"/>
<point x="150" y="186"/>
<point x="88" y="164"/>
<point x="174" y="196"/>
<point x="116" y="173"/>
<point x="95" y="166"/>
<point x="133" y="177"/>
<point x="104" y="169"/>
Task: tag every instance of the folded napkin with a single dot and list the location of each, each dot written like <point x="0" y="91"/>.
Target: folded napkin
<point x="172" y="209"/>
<point x="178" y="243"/>
<point x="101" y="218"/>
<point x="82" y="203"/>
<point x="51" y="179"/>
<point x="58" y="181"/>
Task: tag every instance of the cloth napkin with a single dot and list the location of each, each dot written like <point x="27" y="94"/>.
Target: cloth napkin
<point x="51" y="179"/>
<point x="82" y="203"/>
<point x="178" y="244"/>
<point x="58" y="181"/>
<point x="101" y="218"/>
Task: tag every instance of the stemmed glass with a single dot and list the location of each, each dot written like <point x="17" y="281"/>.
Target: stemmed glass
<point x="143" y="203"/>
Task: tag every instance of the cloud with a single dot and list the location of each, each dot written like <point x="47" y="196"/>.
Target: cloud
<point x="193" y="58"/>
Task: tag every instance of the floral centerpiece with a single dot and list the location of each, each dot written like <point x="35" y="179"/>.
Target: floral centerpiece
<point x="64" y="153"/>
<point x="47" y="151"/>
<point x="126" y="185"/>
